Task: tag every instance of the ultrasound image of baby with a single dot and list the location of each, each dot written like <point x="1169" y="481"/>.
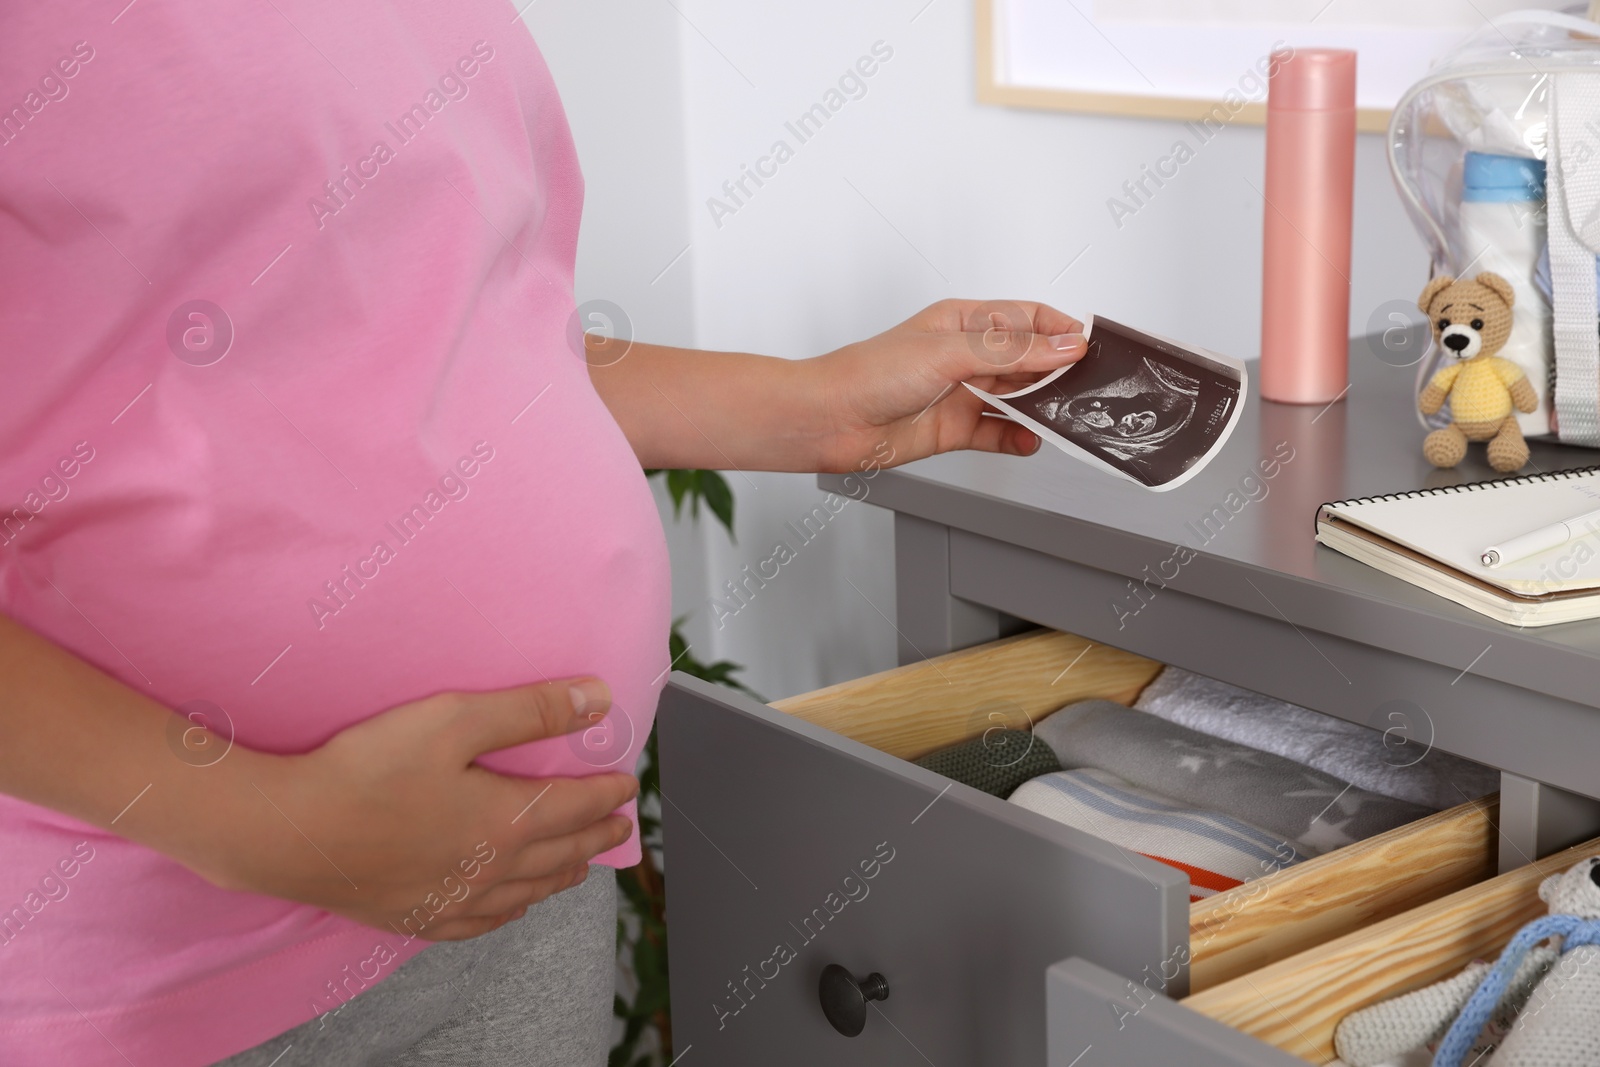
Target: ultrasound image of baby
<point x="1132" y="415"/>
<point x="1142" y="407"/>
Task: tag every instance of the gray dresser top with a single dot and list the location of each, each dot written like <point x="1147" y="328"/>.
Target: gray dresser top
<point x="1259" y="555"/>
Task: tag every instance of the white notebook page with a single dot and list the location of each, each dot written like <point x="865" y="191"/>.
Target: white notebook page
<point x="1455" y="526"/>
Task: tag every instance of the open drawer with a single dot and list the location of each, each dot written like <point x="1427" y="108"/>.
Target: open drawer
<point x="1285" y="1014"/>
<point x="801" y="837"/>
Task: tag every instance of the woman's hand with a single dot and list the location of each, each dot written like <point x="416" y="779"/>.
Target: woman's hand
<point x="902" y="388"/>
<point x="390" y="823"/>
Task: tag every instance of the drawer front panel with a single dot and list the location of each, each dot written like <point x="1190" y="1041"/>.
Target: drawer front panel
<point x="791" y="848"/>
<point x="1098" y="1019"/>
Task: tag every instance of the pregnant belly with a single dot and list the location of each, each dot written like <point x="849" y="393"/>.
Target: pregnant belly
<point x="285" y="626"/>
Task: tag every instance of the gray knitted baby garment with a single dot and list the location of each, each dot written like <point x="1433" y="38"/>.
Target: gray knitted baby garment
<point x="997" y="762"/>
<point x="1385" y="763"/>
<point x="1310" y="808"/>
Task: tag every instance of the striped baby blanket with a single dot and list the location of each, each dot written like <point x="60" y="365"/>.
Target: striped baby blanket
<point x="1216" y="851"/>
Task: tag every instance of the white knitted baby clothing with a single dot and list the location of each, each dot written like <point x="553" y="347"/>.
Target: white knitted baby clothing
<point x="1382" y="1032"/>
<point x="1547" y="1013"/>
<point x="1560" y="1026"/>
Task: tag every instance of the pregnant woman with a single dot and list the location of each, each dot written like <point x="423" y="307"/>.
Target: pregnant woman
<point x="334" y="599"/>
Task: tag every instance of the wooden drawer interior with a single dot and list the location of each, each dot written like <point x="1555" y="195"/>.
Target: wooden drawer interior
<point x="913" y="710"/>
<point x="1297" y="1002"/>
<point x="922" y="707"/>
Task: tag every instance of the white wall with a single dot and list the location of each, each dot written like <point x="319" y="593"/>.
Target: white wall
<point x="619" y="67"/>
<point x="950" y="199"/>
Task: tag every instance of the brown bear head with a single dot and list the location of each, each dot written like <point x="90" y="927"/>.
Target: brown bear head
<point x="1469" y="317"/>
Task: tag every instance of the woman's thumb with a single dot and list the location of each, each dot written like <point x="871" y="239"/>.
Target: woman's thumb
<point x="508" y="717"/>
<point x="999" y="350"/>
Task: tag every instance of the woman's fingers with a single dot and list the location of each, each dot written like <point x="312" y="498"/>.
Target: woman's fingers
<point x="500" y="904"/>
<point x="507" y="897"/>
<point x="999" y="354"/>
<point x="485" y="722"/>
<point x="1022" y="316"/>
<point x="419" y="833"/>
<point x="536" y="858"/>
<point x="1003" y="435"/>
<point x="463" y="929"/>
<point x="1000" y="350"/>
<point x="1020" y="441"/>
<point x="539" y="869"/>
<point x="969" y="316"/>
<point x="557" y="807"/>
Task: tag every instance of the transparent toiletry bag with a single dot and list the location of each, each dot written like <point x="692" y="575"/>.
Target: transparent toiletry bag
<point x="1497" y="156"/>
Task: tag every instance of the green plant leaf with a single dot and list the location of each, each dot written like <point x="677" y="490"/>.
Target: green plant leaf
<point x="680" y="484"/>
<point x="718" y="497"/>
<point x="696" y="487"/>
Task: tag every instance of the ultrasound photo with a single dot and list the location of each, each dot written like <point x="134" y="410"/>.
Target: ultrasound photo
<point x="1147" y="409"/>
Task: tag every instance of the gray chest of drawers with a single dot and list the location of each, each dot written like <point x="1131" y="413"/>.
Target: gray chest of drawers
<point x="800" y="837"/>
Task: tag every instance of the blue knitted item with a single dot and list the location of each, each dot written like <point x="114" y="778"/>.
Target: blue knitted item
<point x="1573" y="932"/>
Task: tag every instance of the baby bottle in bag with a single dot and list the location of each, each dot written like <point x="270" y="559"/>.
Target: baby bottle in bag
<point x="1496" y="154"/>
<point x="1502" y="220"/>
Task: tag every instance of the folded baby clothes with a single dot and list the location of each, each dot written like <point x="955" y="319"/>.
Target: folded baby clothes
<point x="1389" y="764"/>
<point x="1314" y="811"/>
<point x="996" y="762"/>
<point x="1217" y="851"/>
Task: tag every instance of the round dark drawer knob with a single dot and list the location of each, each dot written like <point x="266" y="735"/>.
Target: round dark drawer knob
<point x="844" y="1000"/>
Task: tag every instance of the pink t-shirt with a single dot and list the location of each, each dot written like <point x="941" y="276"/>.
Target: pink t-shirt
<point x="292" y="428"/>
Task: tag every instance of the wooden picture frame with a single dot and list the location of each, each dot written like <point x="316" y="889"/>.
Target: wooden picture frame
<point x="992" y="89"/>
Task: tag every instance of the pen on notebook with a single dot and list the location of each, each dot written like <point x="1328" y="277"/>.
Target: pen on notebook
<point x="1540" y="540"/>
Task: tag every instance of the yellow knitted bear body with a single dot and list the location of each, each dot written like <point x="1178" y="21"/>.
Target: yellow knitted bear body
<point x="1479" y="390"/>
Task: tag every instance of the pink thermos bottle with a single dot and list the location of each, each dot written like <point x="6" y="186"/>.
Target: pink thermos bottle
<point x="1305" y="291"/>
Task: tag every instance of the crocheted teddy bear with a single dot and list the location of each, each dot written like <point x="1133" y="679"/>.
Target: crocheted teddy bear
<point x="1540" y="1004"/>
<point x="1471" y="322"/>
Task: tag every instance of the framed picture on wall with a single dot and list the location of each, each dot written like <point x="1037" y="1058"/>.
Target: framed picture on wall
<point x="1177" y="59"/>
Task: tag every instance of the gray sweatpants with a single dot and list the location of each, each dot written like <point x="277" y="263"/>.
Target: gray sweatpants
<point x="534" y="993"/>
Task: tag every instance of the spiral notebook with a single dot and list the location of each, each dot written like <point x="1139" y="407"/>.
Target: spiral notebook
<point x="1433" y="538"/>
